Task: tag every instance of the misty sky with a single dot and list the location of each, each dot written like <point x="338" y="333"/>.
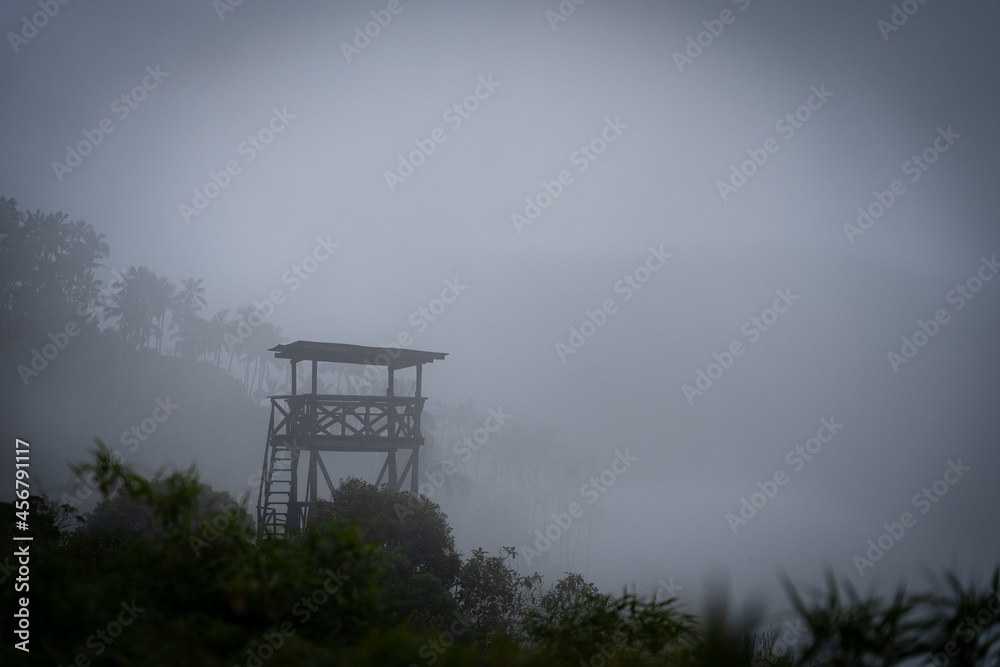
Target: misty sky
<point x="624" y="131"/>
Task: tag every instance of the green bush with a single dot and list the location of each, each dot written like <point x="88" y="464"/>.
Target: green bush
<point x="171" y="573"/>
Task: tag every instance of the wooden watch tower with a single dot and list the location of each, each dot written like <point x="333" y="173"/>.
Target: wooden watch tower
<point x="307" y="425"/>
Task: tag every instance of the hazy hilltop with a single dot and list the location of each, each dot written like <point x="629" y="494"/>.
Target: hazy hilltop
<point x="710" y="292"/>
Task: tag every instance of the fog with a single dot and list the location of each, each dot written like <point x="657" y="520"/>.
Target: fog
<point x="651" y="245"/>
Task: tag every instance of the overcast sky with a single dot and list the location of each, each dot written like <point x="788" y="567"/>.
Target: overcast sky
<point x="633" y="139"/>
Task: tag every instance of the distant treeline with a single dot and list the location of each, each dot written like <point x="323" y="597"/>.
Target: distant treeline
<point x="49" y="294"/>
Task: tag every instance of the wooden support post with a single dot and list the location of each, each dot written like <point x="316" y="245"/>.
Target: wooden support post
<point x="315" y="378"/>
<point x="311" y="483"/>
<point x="326" y="475"/>
<point x="416" y="425"/>
<point x="293" y="377"/>
<point x="381" y="473"/>
<point x="393" y="477"/>
<point x="292" y="518"/>
<point x="390" y="412"/>
<point x="415" y="458"/>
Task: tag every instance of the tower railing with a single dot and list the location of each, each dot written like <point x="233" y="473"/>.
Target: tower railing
<point x="311" y="423"/>
<point x="342" y="418"/>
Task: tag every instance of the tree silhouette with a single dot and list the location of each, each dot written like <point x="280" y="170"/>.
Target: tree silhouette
<point x="192" y="294"/>
<point x="192" y="337"/>
<point x="254" y="349"/>
<point x="160" y="299"/>
<point x="185" y="322"/>
<point x="398" y="520"/>
<point x="219" y="327"/>
<point x="47" y="267"/>
<point x="130" y="307"/>
<point x="140" y="304"/>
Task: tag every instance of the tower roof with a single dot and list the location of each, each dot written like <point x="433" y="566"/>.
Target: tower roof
<point x="342" y="353"/>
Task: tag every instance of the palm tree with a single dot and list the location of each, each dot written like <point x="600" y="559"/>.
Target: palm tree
<point x="261" y="341"/>
<point x="184" y="309"/>
<point x="219" y="328"/>
<point x="140" y="305"/>
<point x="161" y="295"/>
<point x="254" y="350"/>
<point x="192" y="294"/>
<point x="195" y="338"/>
<point x="238" y="346"/>
<point x="130" y="307"/>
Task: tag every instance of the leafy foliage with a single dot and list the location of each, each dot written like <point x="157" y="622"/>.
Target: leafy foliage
<point x="47" y="264"/>
<point x="494" y="597"/>
<point x="964" y="620"/>
<point x="202" y="591"/>
<point x="398" y="520"/>
<point x="50" y="522"/>
<point x="575" y="623"/>
<point x="861" y="631"/>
